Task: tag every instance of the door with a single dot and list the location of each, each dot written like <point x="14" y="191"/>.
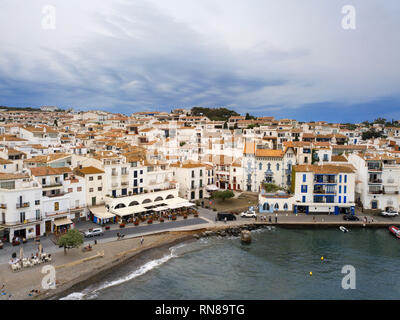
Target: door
<point x="93" y="201"/>
<point x="48" y="226"/>
<point x="38" y="230"/>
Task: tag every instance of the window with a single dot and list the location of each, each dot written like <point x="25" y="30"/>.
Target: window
<point x="56" y="206"/>
<point x="192" y="173"/>
<point x="22" y="217"/>
<point x="304" y="178"/>
<point x="201" y="183"/>
<point x="285" y="206"/>
<point x="345" y="178"/>
<point x="91" y="178"/>
<point x="90" y="189"/>
<point x="304" y="188"/>
<point x="260" y="166"/>
<point x="70" y="189"/>
<point x="37" y="214"/>
<point x="135" y="174"/>
<point x="340" y="199"/>
<point x="141" y="171"/>
<point x="340" y="178"/>
<point x="344" y="199"/>
<point x="79" y="189"/>
<point x="37" y="202"/>
<point x="99" y="189"/>
<point x="304" y="199"/>
<point x="340" y="189"/>
<point x="201" y="173"/>
<point x="99" y="177"/>
<point x="345" y="189"/>
<point x="277" y="167"/>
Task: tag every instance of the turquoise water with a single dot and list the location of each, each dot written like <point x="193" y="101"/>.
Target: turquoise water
<point x="276" y="265"/>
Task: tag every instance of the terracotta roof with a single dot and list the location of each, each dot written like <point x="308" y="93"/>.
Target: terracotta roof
<point x="339" y="158"/>
<point x="89" y="170"/>
<point x="12" y="176"/>
<point x="269" y="153"/>
<point x="325" y="169"/>
<point x="49" y="171"/>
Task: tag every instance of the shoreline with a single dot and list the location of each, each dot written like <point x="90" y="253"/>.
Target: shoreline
<point x="120" y="252"/>
<point x="94" y="275"/>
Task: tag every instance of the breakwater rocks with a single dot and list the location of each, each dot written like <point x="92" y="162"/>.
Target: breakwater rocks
<point x="230" y="231"/>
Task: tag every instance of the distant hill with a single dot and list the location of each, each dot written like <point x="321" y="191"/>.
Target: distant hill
<point x="20" y="108"/>
<point x="216" y="114"/>
<point x="25" y="109"/>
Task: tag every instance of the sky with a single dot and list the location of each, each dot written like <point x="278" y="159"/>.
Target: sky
<point x="286" y="58"/>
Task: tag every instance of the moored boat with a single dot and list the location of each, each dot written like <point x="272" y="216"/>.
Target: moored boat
<point x="395" y="231"/>
<point x="343" y="229"/>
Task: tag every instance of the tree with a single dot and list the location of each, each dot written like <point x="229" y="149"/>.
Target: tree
<point x="226" y="194"/>
<point x="249" y="117"/>
<point x="72" y="239"/>
<point x="372" y="133"/>
<point x="271" y="187"/>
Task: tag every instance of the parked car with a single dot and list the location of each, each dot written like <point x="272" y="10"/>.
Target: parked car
<point x="222" y="215"/>
<point x="94" y="232"/>
<point x="248" y="214"/>
<point x="389" y="213"/>
<point x="350" y="217"/>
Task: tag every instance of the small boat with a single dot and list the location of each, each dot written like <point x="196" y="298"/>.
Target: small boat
<point x="343" y="229"/>
<point x="395" y="231"/>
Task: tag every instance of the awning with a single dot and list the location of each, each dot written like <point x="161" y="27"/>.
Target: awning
<point x="122" y="212"/>
<point x="161" y="208"/>
<point x="212" y="187"/>
<point x="62" y="222"/>
<point x="104" y="215"/>
<point x="101" y="213"/>
<point x="187" y="204"/>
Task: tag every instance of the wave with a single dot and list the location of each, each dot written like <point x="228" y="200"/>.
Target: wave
<point x="90" y="293"/>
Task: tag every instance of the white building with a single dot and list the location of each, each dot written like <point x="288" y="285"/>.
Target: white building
<point x="324" y="189"/>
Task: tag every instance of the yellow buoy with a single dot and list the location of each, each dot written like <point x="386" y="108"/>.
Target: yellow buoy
<point x="310" y="273"/>
<point x="322" y="258"/>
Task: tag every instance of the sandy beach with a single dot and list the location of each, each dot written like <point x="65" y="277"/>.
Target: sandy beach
<point x="72" y="268"/>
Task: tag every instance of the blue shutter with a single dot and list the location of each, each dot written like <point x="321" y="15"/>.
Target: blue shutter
<point x="345" y="178"/>
<point x="345" y="189"/>
<point x="340" y="189"/>
<point x="340" y="199"/>
<point x="344" y="199"/>
<point x="304" y="178"/>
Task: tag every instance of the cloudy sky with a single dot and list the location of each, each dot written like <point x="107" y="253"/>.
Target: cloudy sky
<point x="285" y="58"/>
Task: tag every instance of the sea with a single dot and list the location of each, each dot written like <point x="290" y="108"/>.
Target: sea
<point x="280" y="263"/>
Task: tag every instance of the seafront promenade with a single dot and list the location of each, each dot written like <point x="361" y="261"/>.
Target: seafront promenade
<point x="77" y="266"/>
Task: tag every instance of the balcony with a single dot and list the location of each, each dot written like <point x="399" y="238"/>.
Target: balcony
<point x="52" y="185"/>
<point x="22" y="205"/>
<point x="323" y="191"/>
<point x="372" y="181"/>
<point x="374" y="168"/>
<point x="373" y="191"/>
<point x="325" y="180"/>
